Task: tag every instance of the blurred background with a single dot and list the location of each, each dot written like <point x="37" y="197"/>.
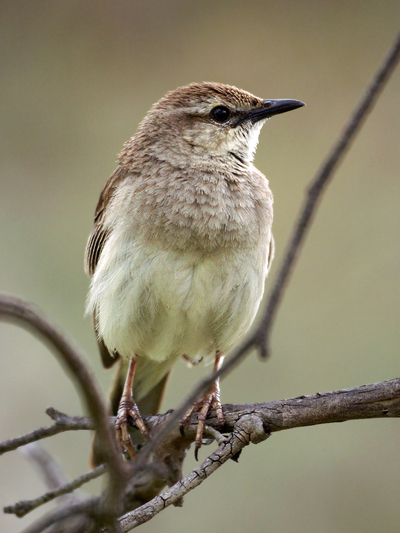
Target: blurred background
<point x="77" y="77"/>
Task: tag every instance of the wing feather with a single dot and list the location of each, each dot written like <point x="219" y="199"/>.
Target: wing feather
<point x="95" y="245"/>
<point x="99" y="234"/>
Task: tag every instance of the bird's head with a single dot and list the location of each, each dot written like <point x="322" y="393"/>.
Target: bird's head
<point x="208" y="120"/>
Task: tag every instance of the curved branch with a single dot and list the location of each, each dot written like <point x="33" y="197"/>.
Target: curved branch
<point x="17" y="310"/>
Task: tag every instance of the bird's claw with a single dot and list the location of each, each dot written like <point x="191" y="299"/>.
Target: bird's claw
<point x="210" y="400"/>
<point x="128" y="409"/>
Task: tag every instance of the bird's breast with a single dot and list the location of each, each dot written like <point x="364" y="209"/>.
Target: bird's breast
<point x="183" y="268"/>
<point x="196" y="211"/>
<point x="163" y="304"/>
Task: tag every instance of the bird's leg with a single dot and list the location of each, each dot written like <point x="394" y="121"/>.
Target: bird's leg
<point x="128" y="408"/>
<point x="204" y="404"/>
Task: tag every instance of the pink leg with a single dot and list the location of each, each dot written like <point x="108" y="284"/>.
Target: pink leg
<point x="128" y="408"/>
<point x="204" y="404"/>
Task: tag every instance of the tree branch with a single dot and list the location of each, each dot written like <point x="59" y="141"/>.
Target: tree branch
<point x="16" y="309"/>
<point x="61" y="425"/>
<point x="379" y="400"/>
<point x="253" y="423"/>
<point x="248" y="429"/>
<point x="24" y="507"/>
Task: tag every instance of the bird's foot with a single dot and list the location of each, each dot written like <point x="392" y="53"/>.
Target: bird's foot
<point x="211" y="399"/>
<point x="128" y="408"/>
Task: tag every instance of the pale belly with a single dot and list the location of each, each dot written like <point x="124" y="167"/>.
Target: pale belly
<point x="164" y="304"/>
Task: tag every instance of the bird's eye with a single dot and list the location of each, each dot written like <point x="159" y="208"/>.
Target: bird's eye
<point x="220" y="114"/>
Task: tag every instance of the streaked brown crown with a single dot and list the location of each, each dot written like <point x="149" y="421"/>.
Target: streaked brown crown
<point x="205" y="92"/>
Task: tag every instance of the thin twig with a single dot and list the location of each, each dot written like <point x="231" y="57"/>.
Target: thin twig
<point x="78" y="422"/>
<point x="74" y="424"/>
<point x="25" y="506"/>
<point x="48" y="468"/>
<point x="325" y="174"/>
<point x="34" y="436"/>
<point x="87" y="507"/>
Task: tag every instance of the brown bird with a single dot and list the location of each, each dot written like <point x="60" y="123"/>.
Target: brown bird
<point x="181" y="244"/>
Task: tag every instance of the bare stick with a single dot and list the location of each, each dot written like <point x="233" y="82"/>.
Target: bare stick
<point x="68" y="424"/>
<point x="85" y="508"/>
<point x="34" y="436"/>
<point x="379" y="400"/>
<point x="61" y="419"/>
<point x="25" y="506"/>
<point x="262" y="334"/>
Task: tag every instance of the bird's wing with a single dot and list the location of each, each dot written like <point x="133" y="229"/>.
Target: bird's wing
<point x="151" y="377"/>
<point x="99" y="234"/>
<point x="148" y="372"/>
<point x="95" y="245"/>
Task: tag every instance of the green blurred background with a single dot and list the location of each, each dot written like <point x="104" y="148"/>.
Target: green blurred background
<point x="77" y="77"/>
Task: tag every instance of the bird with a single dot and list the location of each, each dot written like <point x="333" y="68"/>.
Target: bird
<point x="181" y="246"/>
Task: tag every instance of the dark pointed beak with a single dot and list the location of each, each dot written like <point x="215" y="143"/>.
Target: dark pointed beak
<point x="274" y="107"/>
